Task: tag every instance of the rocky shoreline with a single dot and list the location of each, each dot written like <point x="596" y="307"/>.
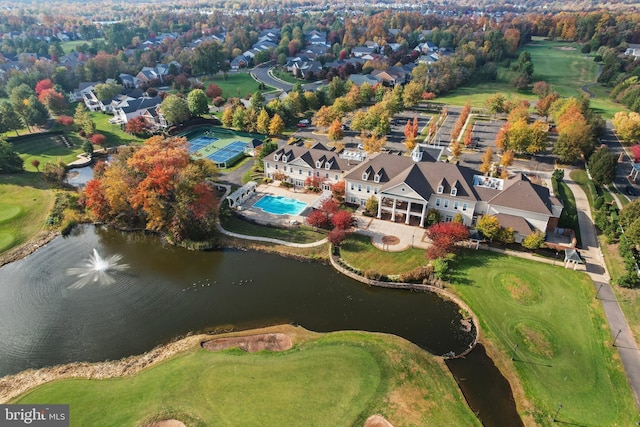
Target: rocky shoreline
<point x="28" y="248"/>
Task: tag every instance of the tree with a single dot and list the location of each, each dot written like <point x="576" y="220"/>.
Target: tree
<point x="541" y="89"/>
<point x="239" y="118"/>
<point x="534" y="240"/>
<point x="342" y="219"/>
<point x="537" y="137"/>
<point x="36" y="164"/>
<point x="136" y="126"/>
<point x="602" y="166"/>
<point x="197" y="102"/>
<point x="257" y="100"/>
<point x="456" y="149"/>
<point x="105" y="91"/>
<point x="336" y="236"/>
<point x="325" y="116"/>
<point x="10" y="162"/>
<point x="175" y="109"/>
<point x="9" y="120"/>
<point x="276" y="127"/>
<point x="335" y="132"/>
<point x="43" y="85"/>
<point x="627" y="125"/>
<point x="444" y="236"/>
<point x="208" y="58"/>
<point x="87" y="148"/>
<point x="227" y="117"/>
<point x="54" y="101"/>
<point x="495" y="103"/>
<point x="487" y="161"/>
<point x="412" y="94"/>
<point x="507" y="158"/>
<point x="489" y="226"/>
<point x="372" y="143"/>
<point x="98" y="139"/>
<point x="213" y="91"/>
<point x="262" y="124"/>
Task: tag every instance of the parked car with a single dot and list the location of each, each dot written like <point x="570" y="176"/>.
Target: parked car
<point x="631" y="191"/>
<point x="302" y="125"/>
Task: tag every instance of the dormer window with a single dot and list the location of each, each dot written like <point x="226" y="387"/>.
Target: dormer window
<point x="376" y="178"/>
<point x="440" y="189"/>
<point x="454" y="191"/>
<point x="318" y="164"/>
<point x="285" y="158"/>
<point x="365" y="176"/>
<point x="327" y="165"/>
<point x="276" y="157"/>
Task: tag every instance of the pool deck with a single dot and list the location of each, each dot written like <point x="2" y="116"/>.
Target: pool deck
<point x="258" y="215"/>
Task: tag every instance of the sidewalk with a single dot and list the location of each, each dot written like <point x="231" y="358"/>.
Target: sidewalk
<point x="622" y="337"/>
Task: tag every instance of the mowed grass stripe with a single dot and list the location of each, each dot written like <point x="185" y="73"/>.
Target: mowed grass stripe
<point x="335" y="380"/>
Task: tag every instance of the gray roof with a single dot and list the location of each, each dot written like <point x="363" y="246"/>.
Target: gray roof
<point x="141" y="104"/>
<point x="520" y="193"/>
<point x="318" y="153"/>
<point x="517" y="223"/>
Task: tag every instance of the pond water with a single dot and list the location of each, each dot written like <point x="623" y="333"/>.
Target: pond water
<point x="53" y="313"/>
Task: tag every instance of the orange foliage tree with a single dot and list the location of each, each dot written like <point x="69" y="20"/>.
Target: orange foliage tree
<point x="157" y="187"/>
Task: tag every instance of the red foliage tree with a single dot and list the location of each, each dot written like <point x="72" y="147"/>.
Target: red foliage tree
<point x="213" y="91"/>
<point x="135" y="126"/>
<point x="98" y="139"/>
<point x="65" y="120"/>
<point x="319" y="219"/>
<point x="96" y="200"/>
<point x="330" y="206"/>
<point x="336" y="236"/>
<point x="635" y="150"/>
<point x="339" y="189"/>
<point x="342" y="219"/>
<point x="43" y="85"/>
<point x="428" y="96"/>
<point x="54" y="101"/>
<point x="444" y="236"/>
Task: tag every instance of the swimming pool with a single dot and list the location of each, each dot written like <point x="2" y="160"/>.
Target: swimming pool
<point x="279" y="205"/>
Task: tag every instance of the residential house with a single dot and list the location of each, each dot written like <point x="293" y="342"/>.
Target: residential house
<point x="297" y="164"/>
<point x="633" y="50"/>
<point x="157" y="73"/>
<point x="316" y="37"/>
<point x="135" y="108"/>
<point x="154" y="119"/>
<point x="238" y="62"/>
<point x="358" y="79"/>
<point x="83" y="89"/>
<point x="392" y="76"/>
<point x="360" y="51"/>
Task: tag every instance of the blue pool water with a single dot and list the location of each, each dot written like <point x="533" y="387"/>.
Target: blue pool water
<point x="279" y="205"/>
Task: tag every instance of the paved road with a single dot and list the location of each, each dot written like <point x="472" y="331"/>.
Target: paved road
<point x="622" y="337"/>
<point x="261" y="72"/>
<point x="610" y="139"/>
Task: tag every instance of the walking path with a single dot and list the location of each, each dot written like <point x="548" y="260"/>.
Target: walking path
<point x="622" y="338"/>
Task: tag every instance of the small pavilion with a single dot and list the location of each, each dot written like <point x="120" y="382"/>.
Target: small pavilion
<point x="241" y="194"/>
<point x="635" y="170"/>
<point x="572" y="256"/>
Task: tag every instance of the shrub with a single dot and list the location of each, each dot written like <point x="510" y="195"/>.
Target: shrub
<point x="65" y="120"/>
<point x="598" y="202"/>
<point x="629" y="280"/>
<point x="98" y="139"/>
<point x="417" y="275"/>
<point x="372" y="275"/>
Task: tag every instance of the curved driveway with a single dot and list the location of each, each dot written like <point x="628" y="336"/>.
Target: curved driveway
<point x="262" y="73"/>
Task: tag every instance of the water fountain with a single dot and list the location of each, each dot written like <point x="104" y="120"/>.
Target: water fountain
<point x="96" y="270"/>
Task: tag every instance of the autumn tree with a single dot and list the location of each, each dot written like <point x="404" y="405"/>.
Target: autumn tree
<point x="495" y="103"/>
<point x="36" y="164"/>
<point x="54" y="101"/>
<point x="372" y="143"/>
<point x="456" y="149"/>
<point x="487" y="161"/>
<point x="227" y="117"/>
<point x="627" y="126"/>
<point x="10" y="162"/>
<point x="262" y="125"/>
<point x="42" y="85"/>
<point x="534" y="240"/>
<point x="136" y="126"/>
<point x="489" y="226"/>
<point x="541" y="88"/>
<point x="411" y="134"/>
<point x="325" y="116"/>
<point x="276" y="126"/>
<point x="213" y="91"/>
<point x="335" y="132"/>
<point x="412" y="94"/>
<point x="444" y="237"/>
<point x="507" y="158"/>
<point x="106" y="91"/>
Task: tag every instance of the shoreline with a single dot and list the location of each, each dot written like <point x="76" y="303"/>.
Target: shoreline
<point x="27" y="248"/>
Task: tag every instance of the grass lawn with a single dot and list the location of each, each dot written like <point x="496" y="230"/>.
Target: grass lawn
<point x="67" y="47"/>
<point x="236" y="85"/>
<point x="564" y="353"/>
<point x="582" y="179"/>
<point x="302" y="234"/>
<point x="286" y="76"/>
<point x="358" y="252"/>
<point x="335" y="379"/>
<point x="115" y="135"/>
<point x="47" y="149"/>
<point x="24" y="204"/>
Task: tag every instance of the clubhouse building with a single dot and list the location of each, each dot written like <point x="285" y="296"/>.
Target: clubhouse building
<point x="406" y="188"/>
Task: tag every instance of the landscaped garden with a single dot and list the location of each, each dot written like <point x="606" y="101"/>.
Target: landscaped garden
<point x="358" y="252"/>
<point x="47" y="148"/>
<point x="334" y="379"/>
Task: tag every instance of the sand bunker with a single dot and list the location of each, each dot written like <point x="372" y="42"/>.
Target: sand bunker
<point x="377" y="421"/>
<point x="251" y="343"/>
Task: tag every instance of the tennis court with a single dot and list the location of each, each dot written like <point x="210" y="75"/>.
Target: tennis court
<point x="222" y="146"/>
